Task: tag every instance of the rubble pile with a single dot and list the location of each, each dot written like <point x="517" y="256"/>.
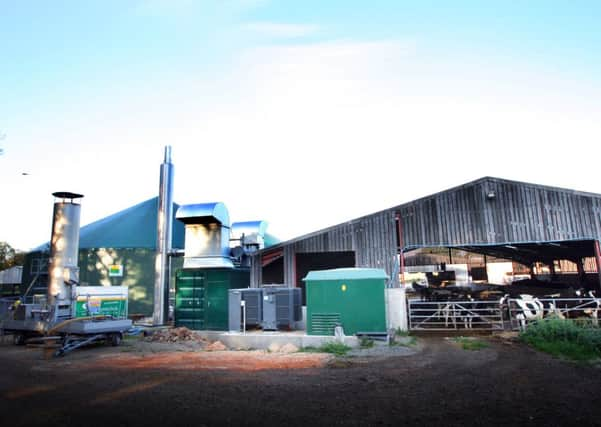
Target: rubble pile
<point x="175" y="335"/>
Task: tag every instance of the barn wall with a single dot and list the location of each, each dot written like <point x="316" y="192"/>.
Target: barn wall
<point x="465" y="215"/>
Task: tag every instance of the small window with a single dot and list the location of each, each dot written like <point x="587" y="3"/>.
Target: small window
<point x="39" y="265"/>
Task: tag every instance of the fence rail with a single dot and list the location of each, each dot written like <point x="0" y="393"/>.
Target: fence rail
<point x="521" y="311"/>
<point x="445" y="315"/>
<point x="510" y="314"/>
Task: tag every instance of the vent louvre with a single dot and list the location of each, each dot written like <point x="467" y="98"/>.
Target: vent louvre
<point x="324" y="323"/>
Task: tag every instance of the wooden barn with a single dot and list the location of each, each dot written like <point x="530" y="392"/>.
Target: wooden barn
<point x="543" y="232"/>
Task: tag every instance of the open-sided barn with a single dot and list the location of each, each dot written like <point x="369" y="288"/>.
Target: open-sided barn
<point x="529" y="224"/>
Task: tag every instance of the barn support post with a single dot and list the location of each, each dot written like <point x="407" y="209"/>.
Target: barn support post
<point x="404" y="324"/>
<point x="581" y="272"/>
<point x="401" y="254"/>
<point x="552" y="270"/>
<point x="598" y="261"/>
<point x="295" y="284"/>
<point x="486" y="267"/>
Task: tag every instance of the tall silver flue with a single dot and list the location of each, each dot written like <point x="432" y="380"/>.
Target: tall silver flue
<point x="164" y="227"/>
<point x="64" y="250"/>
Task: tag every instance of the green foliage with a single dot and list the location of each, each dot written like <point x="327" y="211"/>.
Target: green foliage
<point x="366" y="342"/>
<point x="335" y="348"/>
<point x="402" y="338"/>
<point x="400" y="333"/>
<point x="10" y="257"/>
<point x="564" y="338"/>
<point x="405" y="341"/>
<point x="470" y="343"/>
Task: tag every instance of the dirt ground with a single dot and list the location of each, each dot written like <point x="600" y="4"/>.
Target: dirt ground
<point x="435" y="383"/>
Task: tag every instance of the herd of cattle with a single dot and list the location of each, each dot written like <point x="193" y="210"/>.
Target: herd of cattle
<point x="582" y="305"/>
<point x="492" y="310"/>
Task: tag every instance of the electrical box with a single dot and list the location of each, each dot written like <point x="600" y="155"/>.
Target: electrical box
<point x="350" y="297"/>
<point x="281" y="308"/>
<point x="245" y="308"/>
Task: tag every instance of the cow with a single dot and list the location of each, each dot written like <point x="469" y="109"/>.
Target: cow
<point x="530" y="309"/>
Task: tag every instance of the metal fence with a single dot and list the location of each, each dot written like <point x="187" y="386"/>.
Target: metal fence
<point x="521" y="311"/>
<point x="452" y="315"/>
<point x="496" y="315"/>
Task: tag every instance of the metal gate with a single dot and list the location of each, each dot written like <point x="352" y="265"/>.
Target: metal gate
<point x="452" y="315"/>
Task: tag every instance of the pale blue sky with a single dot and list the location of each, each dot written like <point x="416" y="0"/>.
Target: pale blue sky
<point x="303" y="113"/>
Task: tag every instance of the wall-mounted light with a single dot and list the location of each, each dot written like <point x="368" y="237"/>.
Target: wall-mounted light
<point x="491" y="194"/>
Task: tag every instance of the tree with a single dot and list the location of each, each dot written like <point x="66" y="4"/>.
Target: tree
<point x="10" y="257"/>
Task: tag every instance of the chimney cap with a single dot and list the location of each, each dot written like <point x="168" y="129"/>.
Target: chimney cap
<point x="67" y="195"/>
<point x="204" y="213"/>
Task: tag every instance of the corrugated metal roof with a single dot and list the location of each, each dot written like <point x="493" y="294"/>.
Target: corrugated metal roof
<point x="347" y="274"/>
<point x="450" y="191"/>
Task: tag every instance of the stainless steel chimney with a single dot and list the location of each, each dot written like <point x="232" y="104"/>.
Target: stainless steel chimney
<point x="164" y="227"/>
<point x="64" y="251"/>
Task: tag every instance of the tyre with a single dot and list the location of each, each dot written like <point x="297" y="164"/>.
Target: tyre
<point x="115" y="339"/>
<point x="19" y="339"/>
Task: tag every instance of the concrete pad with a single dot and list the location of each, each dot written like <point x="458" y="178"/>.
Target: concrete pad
<point x="262" y="340"/>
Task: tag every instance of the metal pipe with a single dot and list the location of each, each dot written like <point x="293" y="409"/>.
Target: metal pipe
<point x="401" y="254"/>
<point x="243" y="303"/>
<point x="164" y="228"/>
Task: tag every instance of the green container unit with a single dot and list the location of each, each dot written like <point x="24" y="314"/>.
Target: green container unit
<point x="350" y="297"/>
<point x="201" y="296"/>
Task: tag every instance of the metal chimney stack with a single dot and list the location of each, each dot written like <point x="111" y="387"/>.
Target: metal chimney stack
<point x="164" y="227"/>
<point x="64" y="251"/>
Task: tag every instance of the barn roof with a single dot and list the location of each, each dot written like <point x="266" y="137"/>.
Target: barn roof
<point x="480" y="181"/>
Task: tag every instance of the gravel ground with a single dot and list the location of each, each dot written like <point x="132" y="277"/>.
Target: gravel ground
<point x="434" y="383"/>
<point x="404" y="346"/>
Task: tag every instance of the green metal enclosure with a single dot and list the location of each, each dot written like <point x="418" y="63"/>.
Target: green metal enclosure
<point x="201" y="296"/>
<point x="350" y="297"/>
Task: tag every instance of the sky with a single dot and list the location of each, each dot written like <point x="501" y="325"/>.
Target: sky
<point x="305" y="114"/>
